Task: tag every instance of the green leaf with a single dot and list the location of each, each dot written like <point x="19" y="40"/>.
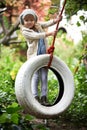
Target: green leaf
<point x="15" y="118"/>
<point x="29" y="117"/>
<point x="78" y="24"/>
<point x="3" y="118"/>
<point x="82" y="17"/>
<point x="13" y="108"/>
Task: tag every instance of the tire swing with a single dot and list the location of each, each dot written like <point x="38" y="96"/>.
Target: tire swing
<point x="23" y="86"/>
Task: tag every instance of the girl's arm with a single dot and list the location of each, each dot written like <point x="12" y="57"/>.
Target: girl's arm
<point x="30" y="34"/>
<point x="50" y="22"/>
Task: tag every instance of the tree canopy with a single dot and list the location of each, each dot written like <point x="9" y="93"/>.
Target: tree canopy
<point x="73" y="6"/>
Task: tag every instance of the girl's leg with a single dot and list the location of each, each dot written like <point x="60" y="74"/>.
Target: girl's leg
<point x="35" y="81"/>
<point x="44" y="73"/>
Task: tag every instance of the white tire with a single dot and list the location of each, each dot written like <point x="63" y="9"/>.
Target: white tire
<point x="24" y="93"/>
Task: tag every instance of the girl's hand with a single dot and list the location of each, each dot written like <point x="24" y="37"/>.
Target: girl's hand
<point x="58" y="19"/>
<point x="50" y="49"/>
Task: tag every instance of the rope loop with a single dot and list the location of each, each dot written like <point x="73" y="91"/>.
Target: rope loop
<point x="50" y="51"/>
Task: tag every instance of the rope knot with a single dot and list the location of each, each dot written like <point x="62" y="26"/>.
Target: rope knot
<point x="50" y="49"/>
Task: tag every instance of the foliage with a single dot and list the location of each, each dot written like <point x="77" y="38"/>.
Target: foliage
<point x="53" y="87"/>
<point x="15" y="7"/>
<point x="56" y="2"/>
<point x="10" y="114"/>
<point x="10" y="111"/>
<point x="72" y="7"/>
<point x="77" y="111"/>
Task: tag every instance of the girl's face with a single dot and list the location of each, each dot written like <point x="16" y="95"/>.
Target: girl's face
<point x="29" y="21"/>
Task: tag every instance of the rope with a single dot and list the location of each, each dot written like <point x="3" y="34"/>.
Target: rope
<point x="51" y="48"/>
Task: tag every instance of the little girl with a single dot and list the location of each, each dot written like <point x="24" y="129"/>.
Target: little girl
<point x="35" y="36"/>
